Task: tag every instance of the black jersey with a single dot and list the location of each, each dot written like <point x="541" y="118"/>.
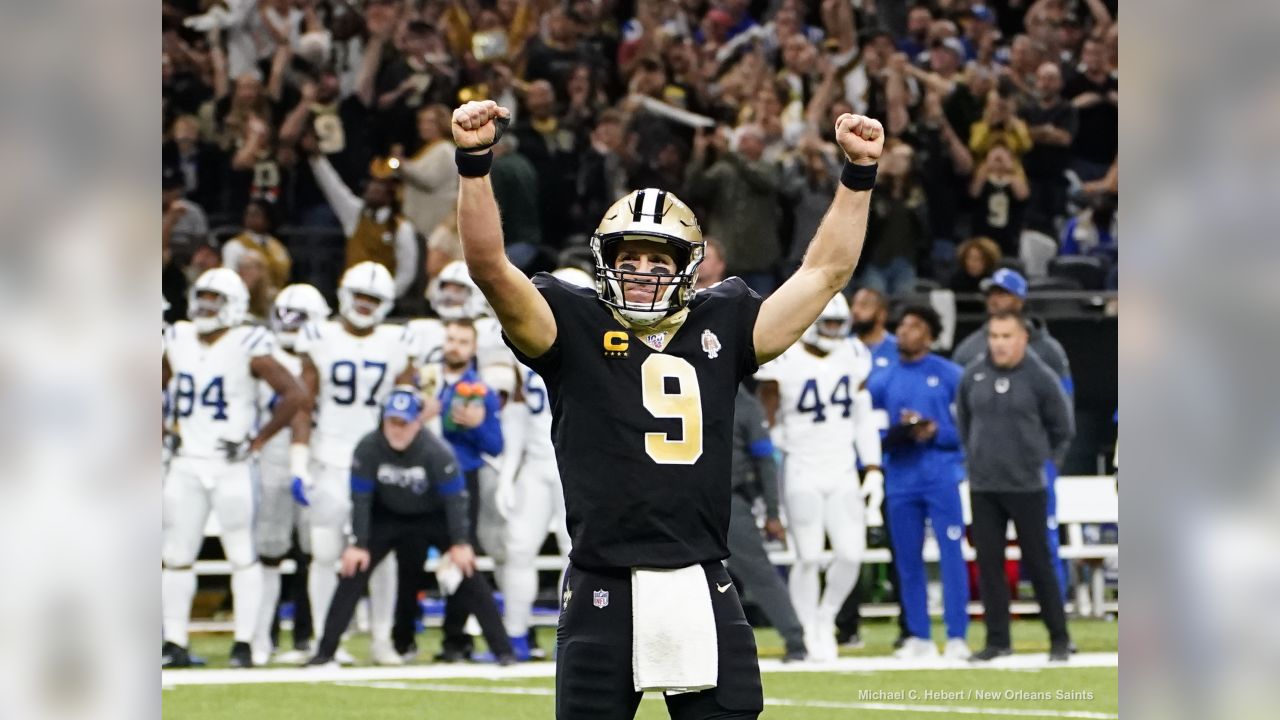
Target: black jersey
<point x="644" y="438"/>
<point x="998" y="215"/>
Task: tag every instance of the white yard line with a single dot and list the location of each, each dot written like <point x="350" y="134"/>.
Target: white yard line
<point x="1027" y="661"/>
<point x="775" y="702"/>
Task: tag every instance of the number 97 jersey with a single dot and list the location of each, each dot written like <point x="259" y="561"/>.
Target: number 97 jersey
<point x="356" y="374"/>
<point x="642" y="423"/>
<point x="213" y="389"/>
<point x="816" y="405"/>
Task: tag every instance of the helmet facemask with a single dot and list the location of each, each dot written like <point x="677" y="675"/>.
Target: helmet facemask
<point x="362" y="309"/>
<point x="452" y="301"/>
<point x="208" y="311"/>
<point x="831" y="328"/>
<point x="454" y="295"/>
<point x="286" y="322"/>
<point x="669" y="292"/>
<point x="366" y="294"/>
<point x="295" y="306"/>
<point x="826" y="334"/>
<point x="656" y="216"/>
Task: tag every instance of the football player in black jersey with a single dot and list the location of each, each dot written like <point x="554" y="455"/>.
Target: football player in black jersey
<point x="642" y="373"/>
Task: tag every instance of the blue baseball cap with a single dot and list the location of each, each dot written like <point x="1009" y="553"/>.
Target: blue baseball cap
<point x="1010" y="281"/>
<point x="403" y="403"/>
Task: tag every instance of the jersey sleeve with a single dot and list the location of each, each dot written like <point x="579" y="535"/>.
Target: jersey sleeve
<point x="559" y="296"/>
<point x="443" y="467"/>
<point x="755" y="428"/>
<point x="451" y="486"/>
<point x="307" y="338"/>
<point x="747" y="308"/>
<point x="259" y="342"/>
<point x="408" y="341"/>
<point x="861" y="363"/>
<point x="364" y="460"/>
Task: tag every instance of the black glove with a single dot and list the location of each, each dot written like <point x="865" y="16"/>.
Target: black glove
<point x="236" y="451"/>
<point x="172" y="441"/>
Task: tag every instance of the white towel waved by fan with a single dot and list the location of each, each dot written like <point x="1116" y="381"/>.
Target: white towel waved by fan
<point x="674" y="645"/>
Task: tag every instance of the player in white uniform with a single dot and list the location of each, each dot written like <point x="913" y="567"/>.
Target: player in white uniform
<point x="278" y="514"/>
<point x="529" y="495"/>
<point x="214" y="363"/>
<point x="814" y="397"/>
<point x="454" y="296"/>
<point x="350" y="364"/>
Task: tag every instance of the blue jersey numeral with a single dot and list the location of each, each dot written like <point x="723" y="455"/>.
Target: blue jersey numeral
<point x="344" y="378"/>
<point x="810" y="394"/>
<point x="810" y="400"/>
<point x="841" y="396"/>
<point x="213" y="395"/>
<point x="534" y="397"/>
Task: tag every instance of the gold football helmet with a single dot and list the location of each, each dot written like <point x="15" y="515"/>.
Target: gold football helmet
<point x="657" y="216"/>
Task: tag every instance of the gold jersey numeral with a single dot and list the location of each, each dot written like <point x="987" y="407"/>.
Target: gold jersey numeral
<point x="685" y="405"/>
<point x="330" y="134"/>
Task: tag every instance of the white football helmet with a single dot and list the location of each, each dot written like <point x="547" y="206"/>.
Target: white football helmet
<point x="227" y="310"/>
<point x="574" y="276"/>
<point x="657" y="216"/>
<point x="371" y="279"/>
<point x="295" y="306"/>
<point x="454" y="295"/>
<point x="832" y="326"/>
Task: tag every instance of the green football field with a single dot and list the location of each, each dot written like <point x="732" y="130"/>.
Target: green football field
<point x="863" y="684"/>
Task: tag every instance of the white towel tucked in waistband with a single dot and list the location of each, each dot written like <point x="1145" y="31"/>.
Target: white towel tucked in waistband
<point x="674" y="645"/>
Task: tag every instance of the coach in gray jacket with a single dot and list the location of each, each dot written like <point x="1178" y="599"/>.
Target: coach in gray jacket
<point x="1013" y="415"/>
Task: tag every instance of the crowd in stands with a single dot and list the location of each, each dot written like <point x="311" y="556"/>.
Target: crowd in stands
<point x="292" y="125"/>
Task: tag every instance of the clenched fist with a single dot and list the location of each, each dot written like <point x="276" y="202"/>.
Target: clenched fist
<point x="861" y="138"/>
<point x="473" y="123"/>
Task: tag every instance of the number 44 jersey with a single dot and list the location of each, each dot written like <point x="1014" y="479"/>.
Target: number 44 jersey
<point x="816" y="398"/>
<point x="213" y="388"/>
<point x="356" y="373"/>
<point x="642" y="423"/>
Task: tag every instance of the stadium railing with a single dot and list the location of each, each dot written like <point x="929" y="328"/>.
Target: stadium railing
<point x="1082" y="501"/>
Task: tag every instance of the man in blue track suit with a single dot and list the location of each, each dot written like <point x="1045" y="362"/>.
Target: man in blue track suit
<point x="923" y="464"/>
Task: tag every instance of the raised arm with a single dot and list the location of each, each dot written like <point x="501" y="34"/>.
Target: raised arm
<point x="525" y="315"/>
<point x="370" y="61"/>
<point x="833" y="253"/>
<point x="344" y="203"/>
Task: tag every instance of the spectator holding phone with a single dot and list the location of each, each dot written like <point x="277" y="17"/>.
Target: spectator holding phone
<point x="999" y="126"/>
<point x="1000" y="190"/>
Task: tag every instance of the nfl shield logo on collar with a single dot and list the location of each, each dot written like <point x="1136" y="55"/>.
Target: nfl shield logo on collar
<point x="600" y="598"/>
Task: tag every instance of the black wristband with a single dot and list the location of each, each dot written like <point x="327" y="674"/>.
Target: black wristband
<point x="858" y="177"/>
<point x="473" y="166"/>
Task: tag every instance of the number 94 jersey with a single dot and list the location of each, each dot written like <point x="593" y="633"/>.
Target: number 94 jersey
<point x="356" y="375"/>
<point x="816" y="404"/>
<point x="644" y="437"/>
<point x="213" y="389"/>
